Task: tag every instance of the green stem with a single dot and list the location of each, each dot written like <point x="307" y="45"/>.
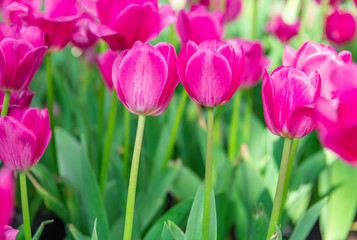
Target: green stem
<point x="126" y="142"/>
<point x="232" y="147"/>
<point x="175" y="127"/>
<point x="101" y="96"/>
<point x="254" y="18"/>
<point x="277" y="206"/>
<point x="5" y="104"/>
<point x="288" y="172"/>
<point x="129" y="214"/>
<point x="208" y="175"/>
<point x="25" y="206"/>
<point x="108" y="144"/>
<point x="248" y="115"/>
<point x="50" y="100"/>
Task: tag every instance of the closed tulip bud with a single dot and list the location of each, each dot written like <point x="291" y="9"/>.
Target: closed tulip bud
<point x="284" y="31"/>
<point x="24" y="136"/>
<point x="340" y="27"/>
<point x="7" y="191"/>
<point x="20" y="99"/>
<point x="211" y="72"/>
<point x="289" y="97"/>
<point x="105" y="64"/>
<point x="199" y="25"/>
<point x="255" y="61"/>
<point x="145" y="77"/>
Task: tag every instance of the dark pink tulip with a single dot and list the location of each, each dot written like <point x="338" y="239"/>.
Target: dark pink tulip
<point x="210" y="72"/>
<point x="20" y="99"/>
<point x="125" y="22"/>
<point x="145" y="77"/>
<point x="7" y="192"/>
<point x="289" y="97"/>
<point x="340" y="27"/>
<point x="24" y="136"/>
<point x="255" y="61"/>
<point x="281" y="29"/>
<point x="105" y="64"/>
<point x="81" y="36"/>
<point x="21" y="54"/>
<point x="20" y="10"/>
<point x="317" y="57"/>
<point x="199" y="25"/>
<point x="58" y="21"/>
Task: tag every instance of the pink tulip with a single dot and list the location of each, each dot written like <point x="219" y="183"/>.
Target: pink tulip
<point x="24" y="136"/>
<point x="317" y="57"/>
<point x="58" y="21"/>
<point x="20" y="99"/>
<point x="145" y="77"/>
<point x="211" y="72"/>
<point x="255" y="61"/>
<point x="7" y="192"/>
<point x="281" y="29"/>
<point x="340" y="27"/>
<point x="199" y="25"/>
<point x="288" y="101"/>
<point x="125" y="22"/>
<point x="81" y="36"/>
<point x="105" y="64"/>
<point x="20" y="10"/>
<point x="21" y="55"/>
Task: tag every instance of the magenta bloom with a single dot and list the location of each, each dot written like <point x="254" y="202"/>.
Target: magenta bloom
<point x="281" y="29"/>
<point x="288" y="101"/>
<point x="81" y="36"/>
<point x="58" y="21"/>
<point x="317" y="57"/>
<point x="24" y="136"/>
<point x="125" y="22"/>
<point x="105" y="64"/>
<point x="145" y="77"/>
<point x="210" y="72"/>
<point x="20" y="10"/>
<point x="255" y="61"/>
<point x="199" y="25"/>
<point x="21" y="55"/>
<point x="340" y="26"/>
<point x="20" y="99"/>
<point x="7" y="192"/>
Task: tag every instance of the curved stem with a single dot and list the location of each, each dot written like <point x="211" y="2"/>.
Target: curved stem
<point x="25" y="206"/>
<point x="126" y="142"/>
<point x="277" y="206"/>
<point x="50" y="100"/>
<point x="129" y="214"/>
<point x="5" y="104"/>
<point x="208" y="175"/>
<point x="234" y="126"/>
<point x="108" y="144"/>
<point x="175" y="127"/>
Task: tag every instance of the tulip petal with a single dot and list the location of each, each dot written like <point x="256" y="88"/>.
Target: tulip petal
<point x="10" y="233"/>
<point x="289" y="56"/>
<point x="105" y="64"/>
<point x="7" y="187"/>
<point x="267" y="97"/>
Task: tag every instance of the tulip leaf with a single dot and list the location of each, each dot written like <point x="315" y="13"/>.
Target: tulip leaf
<point x="185" y="184"/>
<point x="260" y="224"/>
<point x="77" y="235"/>
<point x="39" y="230"/>
<point x="172" y="232"/>
<point x="195" y="219"/>
<point x="21" y="233"/>
<point x="94" y="233"/>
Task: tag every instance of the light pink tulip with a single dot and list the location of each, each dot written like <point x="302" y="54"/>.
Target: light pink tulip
<point x="105" y="64"/>
<point x="317" y="57"/>
<point x="288" y="101"/>
<point x="211" y="72"/>
<point x="125" y="22"/>
<point x="281" y="29"/>
<point x="199" y="25"/>
<point x="20" y="99"/>
<point x="340" y="26"/>
<point x="21" y="55"/>
<point x="145" y="77"/>
<point x="24" y="136"/>
<point x="81" y="36"/>
<point x="255" y="61"/>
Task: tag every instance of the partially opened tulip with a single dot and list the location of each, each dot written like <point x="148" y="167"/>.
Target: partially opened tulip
<point x="340" y="26"/>
<point x="199" y="25"/>
<point x="281" y="29"/>
<point x="125" y="22"/>
<point x="81" y="36"/>
<point x="105" y="64"/>
<point x="20" y="99"/>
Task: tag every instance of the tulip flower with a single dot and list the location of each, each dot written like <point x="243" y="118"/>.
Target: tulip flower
<point x="125" y="22"/>
<point x="199" y="25"/>
<point x="58" y="22"/>
<point x="105" y="64"/>
<point x="288" y="101"/>
<point x="340" y="26"/>
<point x="284" y="31"/>
<point x="20" y="10"/>
<point x="317" y="57"/>
<point x="25" y="134"/>
<point x="21" y="99"/>
<point x="255" y="61"/>
<point x="211" y="72"/>
<point x="81" y="36"/>
<point x="145" y="78"/>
